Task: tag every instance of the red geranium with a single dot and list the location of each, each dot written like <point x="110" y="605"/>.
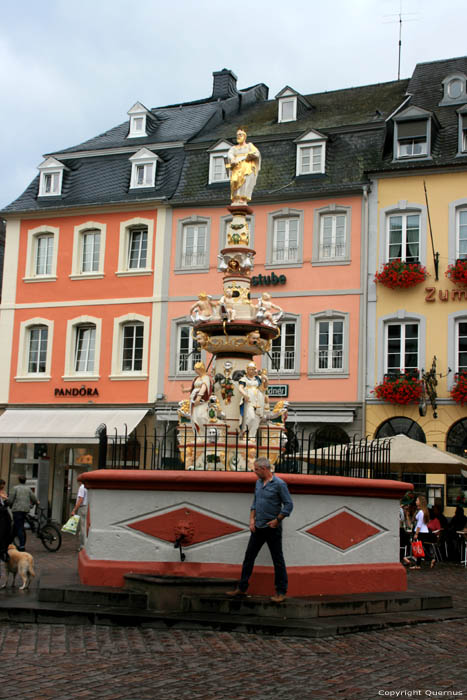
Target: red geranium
<point x="457" y="273"/>
<point x="403" y="388"/>
<point x="397" y="274"/>
<point x="459" y="390"/>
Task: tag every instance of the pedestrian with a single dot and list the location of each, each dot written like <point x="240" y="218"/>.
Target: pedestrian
<point x="81" y="508"/>
<point x="422" y="532"/>
<point x="271" y="504"/>
<point x="21" y="502"/>
<point x="6" y="529"/>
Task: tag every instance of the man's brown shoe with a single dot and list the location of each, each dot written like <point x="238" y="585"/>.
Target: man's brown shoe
<point x="236" y="593"/>
<point x="278" y="598"/>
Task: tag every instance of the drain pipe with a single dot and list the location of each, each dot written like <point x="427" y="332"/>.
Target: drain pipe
<point x="364" y="315"/>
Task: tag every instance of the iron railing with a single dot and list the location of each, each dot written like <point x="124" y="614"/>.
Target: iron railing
<point x="362" y="458"/>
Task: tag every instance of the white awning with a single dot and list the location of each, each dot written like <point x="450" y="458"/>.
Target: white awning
<point x="66" y="425"/>
<point x="320" y="417"/>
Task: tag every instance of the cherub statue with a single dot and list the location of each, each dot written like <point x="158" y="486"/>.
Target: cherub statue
<point x="227" y="302"/>
<point x="200" y="391"/>
<point x="203" y="309"/>
<point x="252" y="408"/>
<point x="244" y="163"/>
<point x="265" y="310"/>
<point x="201" y="338"/>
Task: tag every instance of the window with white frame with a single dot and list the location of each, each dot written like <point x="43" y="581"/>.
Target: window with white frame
<point x="188" y="350"/>
<point x="311" y="153"/>
<point x="330" y="345"/>
<point x="91" y="241"/>
<point x="51" y="177"/>
<point x="285" y="243"/>
<point x="288" y="109"/>
<point x="137" y="248"/>
<point x="463" y="133"/>
<point x="132" y="347"/>
<point x="44" y="254"/>
<point x="402" y="347"/>
<point x="194" y="248"/>
<point x="138" y="121"/>
<point x="85" y="349"/>
<point x="404" y="237"/>
<point x="461" y="350"/>
<point x="37" y="350"/>
<point x="284" y="349"/>
<point x="88" y="250"/>
<point x="332" y="243"/>
<point x="461" y="250"/>
<point x="143" y="169"/>
<point x="454" y="89"/>
<point x="412" y="138"/>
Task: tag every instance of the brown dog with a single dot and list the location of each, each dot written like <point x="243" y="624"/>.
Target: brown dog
<point x="20" y="563"/>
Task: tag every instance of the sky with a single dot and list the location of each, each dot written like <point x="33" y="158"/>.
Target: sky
<point x="71" y="69"/>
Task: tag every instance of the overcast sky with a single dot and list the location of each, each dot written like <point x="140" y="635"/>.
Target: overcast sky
<point x="71" y="69"/>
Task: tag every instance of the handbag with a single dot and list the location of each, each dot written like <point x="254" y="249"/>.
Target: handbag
<point x="71" y="525"/>
<point x="417" y="549"/>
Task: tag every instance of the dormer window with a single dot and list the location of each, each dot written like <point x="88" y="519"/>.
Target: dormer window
<point x="287" y="105"/>
<point x="311" y="153"/>
<point x="138" y="121"/>
<point x="217" y="156"/>
<point x="143" y="169"/>
<point x="463" y="131"/>
<point x="412" y="133"/>
<point x="51" y="175"/>
<point x="454" y="89"/>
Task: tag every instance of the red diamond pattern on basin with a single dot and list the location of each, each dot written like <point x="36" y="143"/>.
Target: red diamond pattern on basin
<point x="343" y="530"/>
<point x="204" y="527"/>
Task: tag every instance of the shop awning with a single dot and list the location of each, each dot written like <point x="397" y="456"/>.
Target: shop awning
<point x="320" y="417"/>
<point x="66" y="425"/>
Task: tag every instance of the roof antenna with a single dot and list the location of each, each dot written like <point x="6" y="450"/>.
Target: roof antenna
<point x="408" y="17"/>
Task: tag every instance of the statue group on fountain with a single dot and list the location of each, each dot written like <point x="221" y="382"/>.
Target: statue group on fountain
<point x="243" y="164"/>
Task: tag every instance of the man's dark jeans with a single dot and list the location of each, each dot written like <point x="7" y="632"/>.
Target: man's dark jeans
<point x="272" y="536"/>
<point x="18" y="527"/>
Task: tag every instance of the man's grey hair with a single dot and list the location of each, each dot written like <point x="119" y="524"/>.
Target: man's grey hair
<point x="263" y="462"/>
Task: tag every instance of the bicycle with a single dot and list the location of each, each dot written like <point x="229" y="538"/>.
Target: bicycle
<point x="43" y="528"/>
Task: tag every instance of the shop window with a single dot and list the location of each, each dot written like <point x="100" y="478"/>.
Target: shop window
<point x="456" y="487"/>
<point x="330" y="435"/>
<point x="456" y="439"/>
<point x="399" y="425"/>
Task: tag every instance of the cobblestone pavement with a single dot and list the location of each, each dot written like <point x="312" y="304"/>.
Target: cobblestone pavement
<point x="59" y="662"/>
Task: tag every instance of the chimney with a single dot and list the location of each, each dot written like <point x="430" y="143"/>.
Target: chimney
<point x="224" y="84"/>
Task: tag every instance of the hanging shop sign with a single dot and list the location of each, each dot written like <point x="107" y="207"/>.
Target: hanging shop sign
<point x="278" y="391"/>
<point x="76" y="392"/>
<point x="434" y="294"/>
<point x="268" y="280"/>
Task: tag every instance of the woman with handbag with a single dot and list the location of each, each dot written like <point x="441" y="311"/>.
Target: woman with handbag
<point x="422" y="534"/>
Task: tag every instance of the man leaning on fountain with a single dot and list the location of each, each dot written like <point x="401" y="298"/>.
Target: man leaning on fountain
<point x="271" y="504"/>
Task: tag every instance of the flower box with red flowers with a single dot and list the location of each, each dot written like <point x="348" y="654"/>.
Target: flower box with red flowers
<point x="459" y="389"/>
<point x="402" y="388"/>
<point x="457" y="273"/>
<point x="397" y="274"/>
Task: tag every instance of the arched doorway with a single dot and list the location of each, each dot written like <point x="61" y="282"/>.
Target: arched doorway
<point x="400" y="425"/>
<point x="456" y="439"/>
<point x="330" y="435"/>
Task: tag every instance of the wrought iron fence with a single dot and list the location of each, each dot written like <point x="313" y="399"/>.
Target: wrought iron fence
<point x="362" y="458"/>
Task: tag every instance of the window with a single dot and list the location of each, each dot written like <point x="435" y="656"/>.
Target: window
<point x="330" y="345"/>
<point x="138" y="121"/>
<point x="398" y="425"/>
<point x="331" y="237"/>
<point x="35" y="350"/>
<point x="135" y="250"/>
<point x="41" y="256"/>
<point x="330" y="435"/>
<point x="188" y="352"/>
<point x="284" y="246"/>
<point x="287" y="104"/>
<point x="44" y="254"/>
<point x="217" y="169"/>
<point x="461" y="251"/>
<point x="404" y="237"/>
<point x="454" y="89"/>
<point x="130" y="347"/>
<point x="412" y="139"/>
<point x="83" y="340"/>
<point x="455" y="488"/>
<point x="463" y="133"/>
<point x="284" y="349"/>
<point x="51" y="176"/>
<point x="461" y="364"/>
<point x="85" y="349"/>
<point x="402" y="348"/>
<point x="143" y="169"/>
<point x="133" y="343"/>
<point x="329" y="340"/>
<point x="38" y="339"/>
<point x="311" y="153"/>
<point x="192" y="254"/>
<point x="88" y="250"/>
<point x="456" y="439"/>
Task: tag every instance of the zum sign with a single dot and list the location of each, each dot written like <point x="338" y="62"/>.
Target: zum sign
<point x="445" y="294"/>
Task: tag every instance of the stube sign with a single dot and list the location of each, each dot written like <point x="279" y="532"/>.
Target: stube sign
<point x="268" y="280"/>
<point x="75" y="392"/>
